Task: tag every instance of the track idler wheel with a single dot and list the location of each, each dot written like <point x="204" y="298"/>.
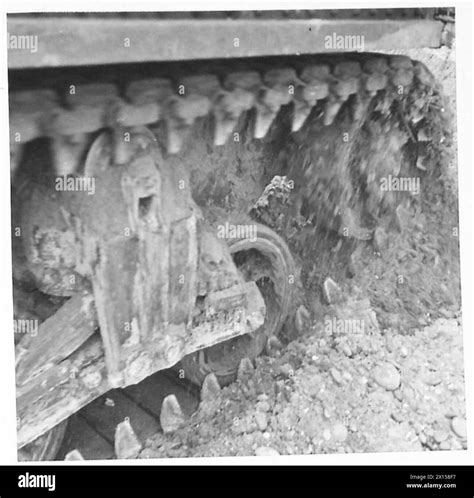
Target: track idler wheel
<point x="266" y="260"/>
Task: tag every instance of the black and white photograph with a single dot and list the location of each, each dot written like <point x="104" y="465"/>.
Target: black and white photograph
<point x="235" y="233"/>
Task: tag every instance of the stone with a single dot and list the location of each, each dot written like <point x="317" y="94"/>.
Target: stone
<point x="445" y="445"/>
<point x="285" y="370"/>
<point x="386" y="376"/>
<point x="458" y="425"/>
<point x="440" y="436"/>
<point x="336" y="375"/>
<point x="261" y="420"/>
<point x="266" y="451"/>
<point x="263" y="406"/>
<point x="339" y="432"/>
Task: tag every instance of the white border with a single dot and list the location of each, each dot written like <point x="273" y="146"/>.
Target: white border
<point x="464" y="25"/>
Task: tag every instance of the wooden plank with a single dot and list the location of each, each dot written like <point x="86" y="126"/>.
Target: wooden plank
<point x="81" y="436"/>
<point x="57" y="337"/>
<point x="70" y="41"/>
<point x="104" y="416"/>
<point x="152" y="391"/>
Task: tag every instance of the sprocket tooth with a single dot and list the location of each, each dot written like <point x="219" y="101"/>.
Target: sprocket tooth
<point x="227" y="111"/>
<point x="171" y="416"/>
<point x="424" y="75"/>
<point x="301" y="111"/>
<point x="181" y="114"/>
<point x="176" y="136"/>
<point x="316" y="80"/>
<point x="332" y="292"/>
<point x="245" y="80"/>
<point x="74" y="455"/>
<point x="126" y="443"/>
<point x="210" y="388"/>
<point x="330" y="111"/>
<point x="263" y="120"/>
<point x="143" y="92"/>
<point x="375" y="75"/>
<point x="245" y="370"/>
<point x="346" y="79"/>
<point x="68" y="152"/>
<point x="420" y="162"/>
<point x="29" y="117"/>
<point x="402" y="71"/>
<point x="223" y="128"/>
<point x="302" y="318"/>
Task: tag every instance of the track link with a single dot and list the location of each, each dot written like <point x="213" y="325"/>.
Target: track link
<point x="71" y="115"/>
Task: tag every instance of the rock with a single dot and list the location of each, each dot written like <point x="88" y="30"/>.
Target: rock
<point x="440" y="436"/>
<point x="339" y="432"/>
<point x="445" y="445"/>
<point x="273" y="346"/>
<point x="204" y="431"/>
<point x="398" y="417"/>
<point x="346" y="350"/>
<point x="336" y="375"/>
<point x="286" y="370"/>
<point x="261" y="420"/>
<point x="109" y="402"/>
<point x="266" y="451"/>
<point x="309" y="425"/>
<point x="347" y="376"/>
<point x="263" y="406"/>
<point x="458" y="425"/>
<point x="386" y="376"/>
<point x="332" y="292"/>
<point x="433" y="378"/>
<point x="150" y="453"/>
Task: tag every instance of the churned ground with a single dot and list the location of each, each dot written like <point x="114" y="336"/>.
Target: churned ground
<point x="379" y="369"/>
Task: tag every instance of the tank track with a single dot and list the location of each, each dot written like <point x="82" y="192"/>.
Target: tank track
<point x="69" y="116"/>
